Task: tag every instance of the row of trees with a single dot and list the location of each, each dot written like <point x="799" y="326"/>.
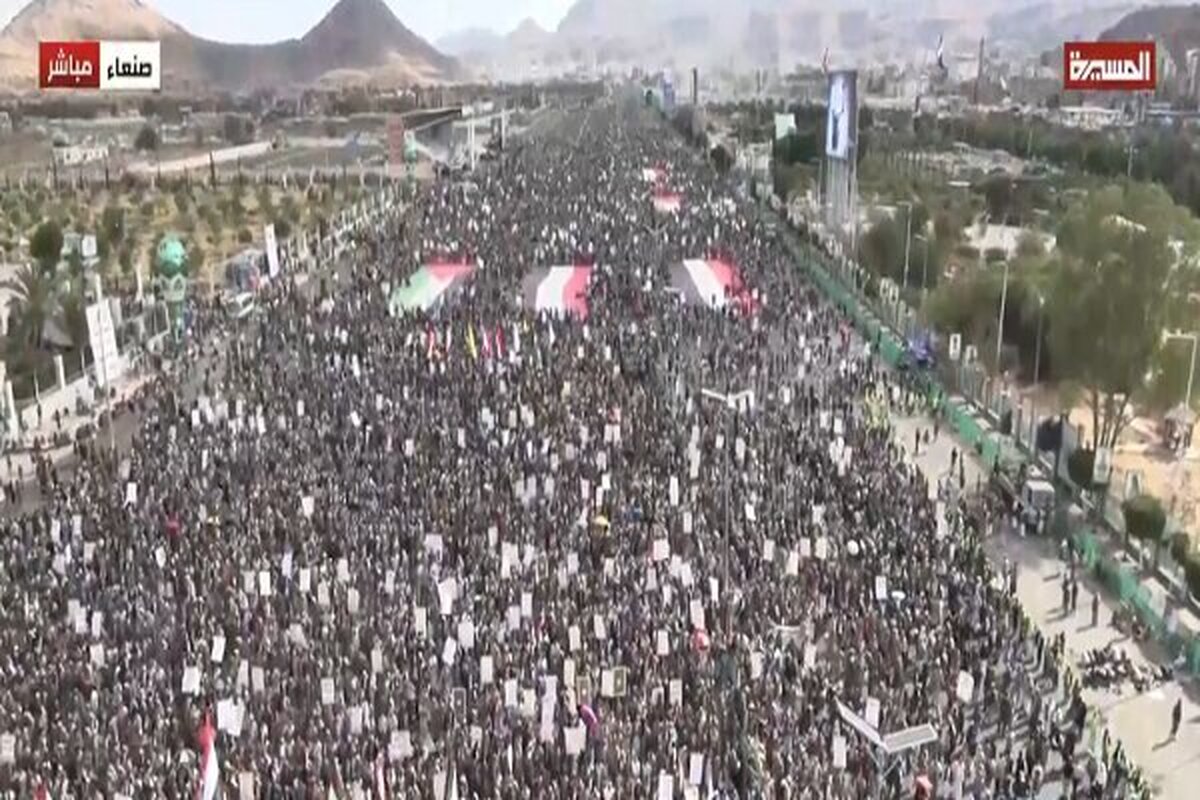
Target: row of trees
<point x="1123" y="268"/>
<point x="1168" y="156"/>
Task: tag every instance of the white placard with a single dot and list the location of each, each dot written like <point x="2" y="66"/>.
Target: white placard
<point x="486" y="670"/>
<point x="662" y="642"/>
<point x="191" y="681"/>
<point x="217" y="653"/>
<point x="326" y="691"/>
<point x="574" y="638"/>
<point x="599" y="627"/>
<point x="839" y="752"/>
<point x="574" y="739"/>
<point x="965" y="688"/>
<point x="871" y="712"/>
<point x="662" y="549"/>
<point x="696" y="614"/>
<point x="307" y="506"/>
<point x="696" y="769"/>
<point x="666" y="786"/>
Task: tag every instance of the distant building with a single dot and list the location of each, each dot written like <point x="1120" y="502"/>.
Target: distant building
<point x="6" y="125"/>
<point x="71" y="155"/>
<point x="1088" y="117"/>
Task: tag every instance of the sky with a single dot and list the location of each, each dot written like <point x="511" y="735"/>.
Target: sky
<point x="256" y="21"/>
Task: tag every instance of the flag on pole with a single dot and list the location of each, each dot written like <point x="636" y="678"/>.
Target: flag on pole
<point x="825" y="61"/>
<point x="471" y="349"/>
<point x="210" y="771"/>
<point x="941" y="55"/>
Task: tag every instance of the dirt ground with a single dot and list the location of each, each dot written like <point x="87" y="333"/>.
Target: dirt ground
<point x="1173" y="479"/>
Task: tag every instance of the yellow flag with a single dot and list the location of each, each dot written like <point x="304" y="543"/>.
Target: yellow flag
<point x="471" y="341"/>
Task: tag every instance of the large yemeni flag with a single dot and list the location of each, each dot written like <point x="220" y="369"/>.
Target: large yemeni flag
<point x="712" y="282"/>
<point x="210" y="771"/>
<point x="558" y="290"/>
<point x="429" y="286"/>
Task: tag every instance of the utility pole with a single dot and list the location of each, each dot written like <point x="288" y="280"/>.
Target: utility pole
<point x="978" y="73"/>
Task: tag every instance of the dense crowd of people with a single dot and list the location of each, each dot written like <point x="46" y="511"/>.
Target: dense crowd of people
<point x="490" y="553"/>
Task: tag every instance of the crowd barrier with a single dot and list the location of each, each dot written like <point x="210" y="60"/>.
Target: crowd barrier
<point x="1120" y="579"/>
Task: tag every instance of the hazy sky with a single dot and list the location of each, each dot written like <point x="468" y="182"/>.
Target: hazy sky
<point x="272" y="20"/>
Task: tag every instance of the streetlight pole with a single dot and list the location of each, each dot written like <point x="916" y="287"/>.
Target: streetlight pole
<point x="1194" y="337"/>
<point x="1037" y="353"/>
<point x="907" y="245"/>
<point x="1000" y="324"/>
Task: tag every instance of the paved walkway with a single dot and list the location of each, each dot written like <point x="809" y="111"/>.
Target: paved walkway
<point x="1141" y="721"/>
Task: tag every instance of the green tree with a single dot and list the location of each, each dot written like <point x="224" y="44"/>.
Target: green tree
<point x="31" y="305"/>
<point x="73" y="305"/>
<point x="1145" y="520"/>
<point x="112" y="224"/>
<point x="881" y="249"/>
<point x="1109" y="295"/>
<point x="147" y="139"/>
<point x="46" y="245"/>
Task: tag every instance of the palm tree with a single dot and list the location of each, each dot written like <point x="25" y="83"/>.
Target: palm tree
<point x="32" y="302"/>
<point x="73" y="304"/>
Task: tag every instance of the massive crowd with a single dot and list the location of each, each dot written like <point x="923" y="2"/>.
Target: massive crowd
<point x="488" y="553"/>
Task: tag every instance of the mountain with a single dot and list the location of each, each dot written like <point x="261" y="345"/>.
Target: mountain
<point x="527" y="34"/>
<point x="1176" y="28"/>
<point x="857" y="32"/>
<point x="358" y="41"/>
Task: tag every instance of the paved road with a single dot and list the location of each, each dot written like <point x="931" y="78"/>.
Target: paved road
<point x="1141" y="721"/>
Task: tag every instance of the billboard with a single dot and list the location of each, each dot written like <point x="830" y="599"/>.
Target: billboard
<point x="841" y="118"/>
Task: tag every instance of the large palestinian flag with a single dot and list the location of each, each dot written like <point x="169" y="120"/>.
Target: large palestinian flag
<point x="429" y="286"/>
<point x="713" y="282"/>
<point x="667" y="202"/>
<point x="558" y="290"/>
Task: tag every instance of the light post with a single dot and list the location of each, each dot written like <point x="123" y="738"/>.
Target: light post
<point x="907" y="242"/>
<point x="925" y="243"/>
<point x="1037" y="353"/>
<point x="1000" y="323"/>
<point x="1168" y="336"/>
